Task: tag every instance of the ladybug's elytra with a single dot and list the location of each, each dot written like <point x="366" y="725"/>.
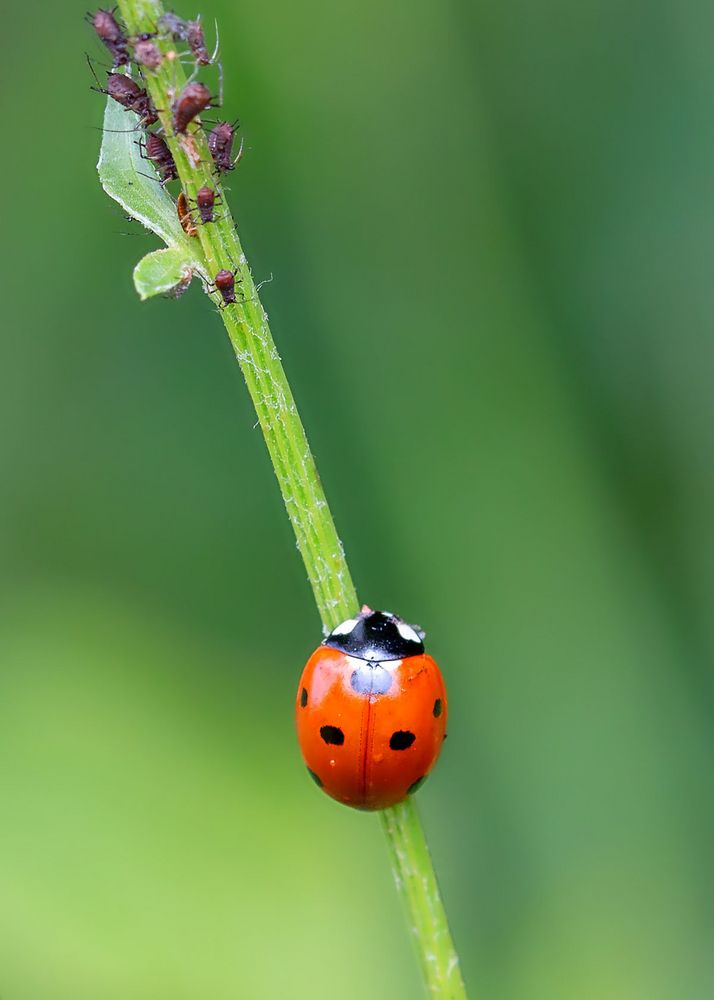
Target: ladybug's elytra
<point x="371" y="711"/>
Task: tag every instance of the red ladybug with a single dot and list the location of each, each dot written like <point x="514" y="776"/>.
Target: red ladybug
<point x="371" y="711"/>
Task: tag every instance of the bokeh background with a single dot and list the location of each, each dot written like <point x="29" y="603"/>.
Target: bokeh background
<point x="491" y="234"/>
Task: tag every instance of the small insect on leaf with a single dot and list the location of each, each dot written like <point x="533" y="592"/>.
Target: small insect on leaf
<point x="163" y="272"/>
<point x="155" y="148"/>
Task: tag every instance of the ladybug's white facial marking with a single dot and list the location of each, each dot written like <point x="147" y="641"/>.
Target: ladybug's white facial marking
<point x="407" y="632"/>
<point x="346" y="627"/>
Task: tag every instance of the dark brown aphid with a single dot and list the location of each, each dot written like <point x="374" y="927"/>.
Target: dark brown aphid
<point x="187" y="223"/>
<point x="131" y="96"/>
<point x="172" y="24"/>
<point x="187" y="31"/>
<point x="220" y="143"/>
<point x="225" y="282"/>
<point x="205" y="202"/>
<point x="108" y="30"/>
<point x="193" y="99"/>
<point x="147" y="53"/>
<point x="160" y="155"/>
<point x="197" y="43"/>
<point x="123" y="90"/>
<point x="128" y="93"/>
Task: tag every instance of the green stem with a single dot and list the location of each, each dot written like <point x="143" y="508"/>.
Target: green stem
<point x="416" y="882"/>
<point x="317" y="539"/>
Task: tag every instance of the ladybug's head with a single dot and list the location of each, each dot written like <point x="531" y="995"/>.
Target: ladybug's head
<point x="376" y="635"/>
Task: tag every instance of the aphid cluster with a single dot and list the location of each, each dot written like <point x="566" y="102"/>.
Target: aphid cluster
<point x="146" y="51"/>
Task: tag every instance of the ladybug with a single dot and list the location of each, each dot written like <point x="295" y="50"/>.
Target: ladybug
<point x="371" y="711"/>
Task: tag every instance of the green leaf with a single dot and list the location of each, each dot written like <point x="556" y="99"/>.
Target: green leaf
<point x="132" y="181"/>
<point x="163" y="272"/>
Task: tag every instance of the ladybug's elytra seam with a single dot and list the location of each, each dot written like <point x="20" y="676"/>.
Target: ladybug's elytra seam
<point x="365" y="747"/>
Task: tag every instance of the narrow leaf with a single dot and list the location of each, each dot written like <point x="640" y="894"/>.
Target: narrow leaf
<point x="131" y="180"/>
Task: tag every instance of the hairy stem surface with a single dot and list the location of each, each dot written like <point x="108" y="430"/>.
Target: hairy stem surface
<point x="317" y="539"/>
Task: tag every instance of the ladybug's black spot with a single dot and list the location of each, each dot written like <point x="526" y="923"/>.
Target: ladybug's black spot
<point x="303" y="698"/>
<point x="371" y="678"/>
<point x="332" y="734"/>
<point x="437" y="708"/>
<point x="401" y="740"/>
<point x="315" y="778"/>
<point x="416" y="785"/>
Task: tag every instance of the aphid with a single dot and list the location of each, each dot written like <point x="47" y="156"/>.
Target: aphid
<point x="172" y="24"/>
<point x="108" y="30"/>
<point x="184" y="214"/>
<point x="160" y="155"/>
<point x="188" y="31"/>
<point x="129" y="94"/>
<point x="371" y="711"/>
<point x="132" y="97"/>
<point x="225" y="282"/>
<point x="205" y="202"/>
<point x="147" y="53"/>
<point x="197" y="43"/>
<point x="193" y="99"/>
<point x="220" y="143"/>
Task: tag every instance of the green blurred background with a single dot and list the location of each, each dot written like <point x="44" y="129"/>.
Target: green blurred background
<point x="491" y="233"/>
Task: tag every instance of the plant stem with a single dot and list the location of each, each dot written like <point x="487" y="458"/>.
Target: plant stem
<point x="416" y="882"/>
<point x="317" y="539"/>
<point x="249" y="333"/>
